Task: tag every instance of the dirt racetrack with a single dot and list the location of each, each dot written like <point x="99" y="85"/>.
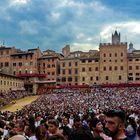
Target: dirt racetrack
<point x="19" y="104"/>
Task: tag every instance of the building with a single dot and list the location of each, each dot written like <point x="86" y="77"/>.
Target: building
<point x="10" y="82"/>
<point x="113" y="63"/>
<point x="24" y="64"/>
<point x="48" y="64"/>
<point x="89" y="68"/>
<point x="134" y="67"/>
<point x="5" y="59"/>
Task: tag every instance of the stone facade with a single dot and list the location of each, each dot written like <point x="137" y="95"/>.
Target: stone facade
<point x="10" y="82"/>
<point x="112" y="63"/>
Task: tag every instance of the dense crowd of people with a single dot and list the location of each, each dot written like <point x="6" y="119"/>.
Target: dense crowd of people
<point x="8" y="97"/>
<point x="77" y="114"/>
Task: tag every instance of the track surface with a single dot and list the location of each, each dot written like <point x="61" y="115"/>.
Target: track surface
<point x="19" y="104"/>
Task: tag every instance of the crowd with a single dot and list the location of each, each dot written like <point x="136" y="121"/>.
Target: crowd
<point x="8" y="97"/>
<point x="77" y="114"/>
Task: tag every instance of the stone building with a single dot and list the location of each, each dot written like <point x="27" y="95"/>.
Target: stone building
<point x="113" y="62"/>
<point x="48" y="64"/>
<point x="5" y="59"/>
<point x="134" y="67"/>
<point x="10" y="82"/>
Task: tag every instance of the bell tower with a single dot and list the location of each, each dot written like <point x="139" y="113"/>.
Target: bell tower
<point x="116" y="38"/>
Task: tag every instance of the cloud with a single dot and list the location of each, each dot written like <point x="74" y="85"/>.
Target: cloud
<point x="83" y="47"/>
<point x="18" y="2"/>
<point x="129" y="28"/>
<point x="55" y="15"/>
<point x="29" y="27"/>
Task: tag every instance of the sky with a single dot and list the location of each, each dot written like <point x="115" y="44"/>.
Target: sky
<point x="82" y="24"/>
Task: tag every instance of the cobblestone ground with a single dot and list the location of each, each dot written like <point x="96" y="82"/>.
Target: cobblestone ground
<point x="18" y="104"/>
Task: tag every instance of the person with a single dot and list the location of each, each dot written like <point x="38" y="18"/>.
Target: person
<point x="17" y="137"/>
<point x="131" y="129"/>
<point x="115" y="124"/>
<point x="79" y="132"/>
<point x="56" y="137"/>
<point x="97" y="130"/>
<point x="53" y="127"/>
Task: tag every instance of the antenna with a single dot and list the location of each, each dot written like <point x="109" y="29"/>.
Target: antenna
<point x="125" y="38"/>
<point x="3" y="42"/>
<point x="100" y="39"/>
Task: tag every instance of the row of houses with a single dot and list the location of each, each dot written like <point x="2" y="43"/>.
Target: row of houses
<point x="115" y="62"/>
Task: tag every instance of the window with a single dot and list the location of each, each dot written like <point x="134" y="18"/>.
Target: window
<point x="110" y="55"/>
<point x="19" y="56"/>
<point x="130" y="78"/>
<point x="110" y="68"/>
<point x="96" y="69"/>
<point x="43" y="64"/>
<point x="89" y="61"/>
<point x="63" y="64"/>
<point x="104" y="55"/>
<point x="130" y="74"/>
<point x="120" y="77"/>
<point x="115" y="68"/>
<point x="137" y="74"/>
<point x="53" y="73"/>
<point x="63" y="71"/>
<point x="83" y="69"/>
<point x="121" y="67"/>
<point x="136" y="59"/>
<point x="130" y="59"/>
<point x="69" y="79"/>
<point x="48" y="66"/>
<point x="97" y="78"/>
<point x="6" y="64"/>
<point x="20" y="64"/>
<point x="76" y="79"/>
<point x="76" y="71"/>
<point x="1" y="52"/>
<point x="69" y="64"/>
<point x="63" y="79"/>
<point x="104" y="68"/>
<point x="115" y="54"/>
<point x="130" y="67"/>
<point x="83" y="78"/>
<point x="137" y="67"/>
<point x="90" y="69"/>
<point x="106" y="77"/>
<point x="14" y="73"/>
<point x="26" y="71"/>
<point x="121" y="54"/>
<point x="91" y="78"/>
<point x="96" y="60"/>
<point x="137" y="78"/>
<point x="1" y="64"/>
<point x="31" y="63"/>
<point x="70" y="71"/>
<point x="53" y="65"/>
<point x="83" y="61"/>
<point x="76" y="63"/>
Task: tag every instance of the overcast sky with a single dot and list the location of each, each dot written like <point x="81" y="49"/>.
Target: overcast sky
<point x="83" y="24"/>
